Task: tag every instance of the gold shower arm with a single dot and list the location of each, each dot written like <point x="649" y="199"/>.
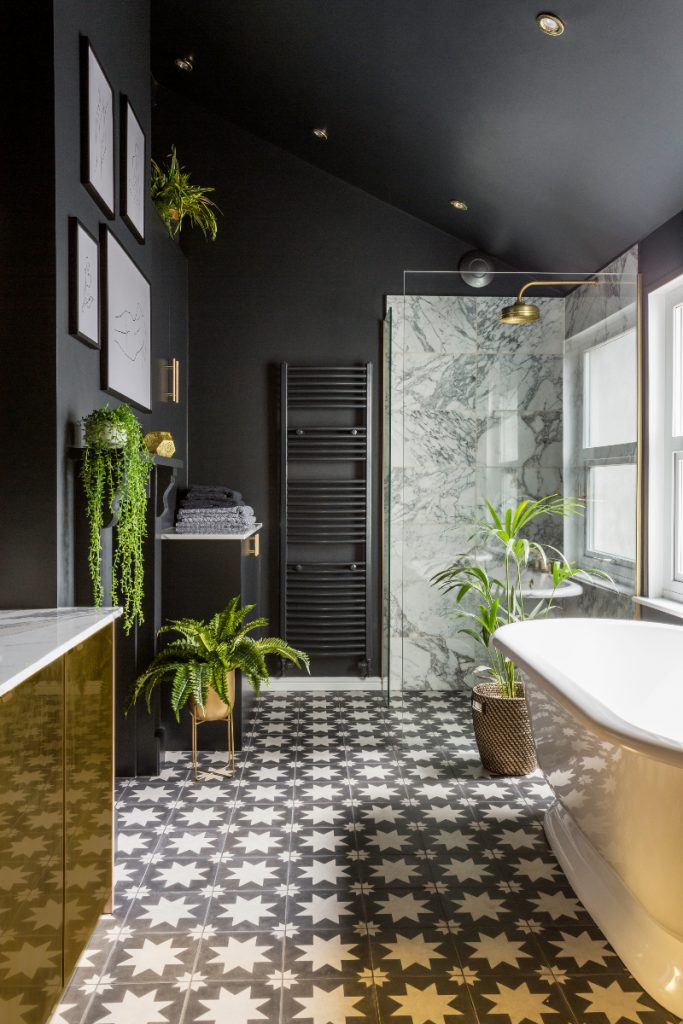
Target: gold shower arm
<point x="532" y="284"/>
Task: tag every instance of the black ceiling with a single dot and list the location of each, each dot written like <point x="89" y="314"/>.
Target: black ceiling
<point x="567" y="150"/>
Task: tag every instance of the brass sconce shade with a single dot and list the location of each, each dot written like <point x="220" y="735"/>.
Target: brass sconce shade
<point x="525" y="312"/>
<point x="174" y="380"/>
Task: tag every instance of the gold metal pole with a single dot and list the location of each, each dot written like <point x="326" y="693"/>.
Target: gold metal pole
<point x="194" y="746"/>
<point x="639" y="582"/>
<point x="231" y="744"/>
<point x="533" y="284"/>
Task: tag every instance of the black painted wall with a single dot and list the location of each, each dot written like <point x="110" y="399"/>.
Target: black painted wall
<point x="50" y="380"/>
<point x="58" y="374"/>
<point x="298" y="273"/>
<point x="122" y="45"/>
<point x="28" y="557"/>
<point x="660" y="254"/>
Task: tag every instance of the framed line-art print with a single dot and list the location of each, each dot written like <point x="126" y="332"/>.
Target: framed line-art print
<point x="84" y="282"/>
<point x="97" y="130"/>
<point x="126" y="324"/>
<point x="133" y="165"/>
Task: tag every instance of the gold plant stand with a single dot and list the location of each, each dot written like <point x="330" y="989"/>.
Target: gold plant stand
<point x="215" y="710"/>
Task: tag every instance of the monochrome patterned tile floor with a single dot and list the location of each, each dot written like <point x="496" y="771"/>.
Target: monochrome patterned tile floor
<point x="361" y="868"/>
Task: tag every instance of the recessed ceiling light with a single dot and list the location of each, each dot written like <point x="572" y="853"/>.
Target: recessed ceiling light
<point x="320" y="133"/>
<point x="185" y="63"/>
<point x="458" y="204"/>
<point x="550" y="23"/>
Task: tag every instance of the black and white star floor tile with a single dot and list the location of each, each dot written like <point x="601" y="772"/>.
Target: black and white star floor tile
<point x="360" y="868"/>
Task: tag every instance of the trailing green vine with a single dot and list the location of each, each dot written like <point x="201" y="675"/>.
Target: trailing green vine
<point x="115" y="470"/>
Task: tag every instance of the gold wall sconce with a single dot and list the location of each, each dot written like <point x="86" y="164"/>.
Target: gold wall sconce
<point x="173" y="380"/>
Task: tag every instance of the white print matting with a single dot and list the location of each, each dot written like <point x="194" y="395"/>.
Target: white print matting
<point x="133" y="167"/>
<point x="126" y="325"/>
<point x="97" y="130"/>
<point x="84" y="300"/>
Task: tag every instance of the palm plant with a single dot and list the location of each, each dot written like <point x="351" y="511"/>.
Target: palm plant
<point x="501" y="598"/>
<point x="205" y="652"/>
<point x="175" y="199"/>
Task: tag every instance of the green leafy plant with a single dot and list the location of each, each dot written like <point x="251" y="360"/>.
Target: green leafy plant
<point x="504" y="598"/>
<point x="175" y="199"/>
<point x="204" y="654"/>
<point x="115" y="470"/>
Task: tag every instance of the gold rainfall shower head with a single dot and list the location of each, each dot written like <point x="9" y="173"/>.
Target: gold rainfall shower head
<point x="525" y="312"/>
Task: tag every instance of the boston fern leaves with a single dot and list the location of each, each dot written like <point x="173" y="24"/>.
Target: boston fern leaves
<point x="205" y="652"/>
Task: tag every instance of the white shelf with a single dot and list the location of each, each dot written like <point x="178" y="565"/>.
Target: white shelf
<point x="173" y="535"/>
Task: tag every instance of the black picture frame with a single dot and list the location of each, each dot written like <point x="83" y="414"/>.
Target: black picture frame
<point x="126" y="324"/>
<point x="97" y="130"/>
<point x="133" y="160"/>
<point x="84" y="284"/>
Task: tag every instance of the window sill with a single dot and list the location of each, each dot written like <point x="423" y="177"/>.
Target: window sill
<point x="623" y="589"/>
<point x="662" y="604"/>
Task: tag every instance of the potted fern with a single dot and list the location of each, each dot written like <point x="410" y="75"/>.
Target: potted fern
<point x="200" y="663"/>
<point x="499" y="711"/>
<point x="114" y="471"/>
<point x="175" y="199"/>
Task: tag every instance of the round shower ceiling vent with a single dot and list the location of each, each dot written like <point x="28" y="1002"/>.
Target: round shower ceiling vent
<point x="476" y="269"/>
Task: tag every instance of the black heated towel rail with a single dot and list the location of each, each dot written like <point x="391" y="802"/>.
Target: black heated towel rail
<point x="326" y="511"/>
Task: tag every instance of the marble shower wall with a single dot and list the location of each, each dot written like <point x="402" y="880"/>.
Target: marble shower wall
<point x="476" y="413"/>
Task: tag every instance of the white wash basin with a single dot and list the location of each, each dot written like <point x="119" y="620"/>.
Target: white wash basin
<point x="540" y="585"/>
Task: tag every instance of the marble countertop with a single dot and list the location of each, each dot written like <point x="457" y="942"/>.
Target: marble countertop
<point x="31" y="639"/>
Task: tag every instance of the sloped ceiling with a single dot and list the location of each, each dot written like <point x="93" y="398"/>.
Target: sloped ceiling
<point x="567" y="150"/>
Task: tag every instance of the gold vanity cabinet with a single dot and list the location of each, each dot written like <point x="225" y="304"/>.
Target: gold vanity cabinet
<point x="56" y="823"/>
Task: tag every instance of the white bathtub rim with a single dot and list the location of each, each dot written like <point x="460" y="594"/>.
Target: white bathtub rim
<point x="590" y="712"/>
<point x="652" y="954"/>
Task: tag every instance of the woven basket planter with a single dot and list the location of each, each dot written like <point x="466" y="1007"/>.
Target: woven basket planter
<point x="503" y="731"/>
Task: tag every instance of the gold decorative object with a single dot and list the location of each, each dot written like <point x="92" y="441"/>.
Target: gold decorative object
<point x="160" y="442"/>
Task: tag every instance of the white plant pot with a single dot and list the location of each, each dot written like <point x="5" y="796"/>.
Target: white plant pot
<point x="113" y="436"/>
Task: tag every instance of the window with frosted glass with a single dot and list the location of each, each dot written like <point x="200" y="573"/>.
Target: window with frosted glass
<point x="677" y="373"/>
<point x="678" y="517"/>
<point x="611" y="511"/>
<point x="610" y="392"/>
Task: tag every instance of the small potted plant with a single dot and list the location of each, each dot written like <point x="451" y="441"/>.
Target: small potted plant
<point x="200" y="663"/>
<point x="115" y="470"/>
<point x="499" y="709"/>
<point x="175" y="199"/>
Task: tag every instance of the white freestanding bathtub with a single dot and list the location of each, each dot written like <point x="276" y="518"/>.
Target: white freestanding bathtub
<point x="606" y="705"/>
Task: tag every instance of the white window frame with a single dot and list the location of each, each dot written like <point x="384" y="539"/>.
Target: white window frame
<point x="665" y="450"/>
<point x="621" y="570"/>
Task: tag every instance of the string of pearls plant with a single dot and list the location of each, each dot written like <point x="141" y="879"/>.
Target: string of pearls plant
<point x="115" y="471"/>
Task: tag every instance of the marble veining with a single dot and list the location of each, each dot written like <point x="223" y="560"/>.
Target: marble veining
<point x="588" y="305"/>
<point x="476" y="413"/>
<point x="436" y="322"/>
<point x="29" y="640"/>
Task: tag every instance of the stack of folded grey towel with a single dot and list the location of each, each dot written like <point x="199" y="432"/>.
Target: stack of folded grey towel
<point x="209" y="509"/>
